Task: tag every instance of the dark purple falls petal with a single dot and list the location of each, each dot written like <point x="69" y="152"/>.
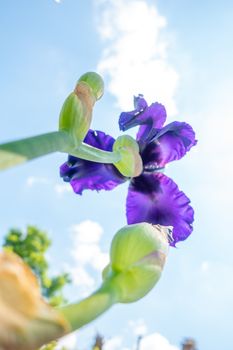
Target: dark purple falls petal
<point x="170" y="143"/>
<point x="156" y="199"/>
<point x="83" y="174"/>
<point x="150" y="118"/>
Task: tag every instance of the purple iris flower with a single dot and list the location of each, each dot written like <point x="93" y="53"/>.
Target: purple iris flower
<point x="152" y="197"/>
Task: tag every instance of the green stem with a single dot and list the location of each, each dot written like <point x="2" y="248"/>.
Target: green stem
<point x="80" y="314"/>
<point x="93" y="154"/>
<point x="16" y="152"/>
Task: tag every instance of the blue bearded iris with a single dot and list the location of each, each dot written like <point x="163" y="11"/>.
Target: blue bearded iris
<point x="152" y="196"/>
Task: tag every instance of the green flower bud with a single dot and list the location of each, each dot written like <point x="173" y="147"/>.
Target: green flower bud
<point x="138" y="254"/>
<point x="76" y="112"/>
<point x="130" y="164"/>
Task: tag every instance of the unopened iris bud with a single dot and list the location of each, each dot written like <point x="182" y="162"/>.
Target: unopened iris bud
<point x="76" y="112"/>
<point x="27" y="321"/>
<point x="130" y="164"/>
<point x="138" y="254"/>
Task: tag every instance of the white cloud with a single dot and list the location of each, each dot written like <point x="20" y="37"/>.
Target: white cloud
<point x="135" y="54"/>
<point x="87" y="254"/>
<point x="60" y="189"/>
<point x="58" y="1"/>
<point x="34" y="180"/>
<point x="114" y="343"/>
<point x="153" y="341"/>
<point x="138" y="327"/>
<point x="81" y="278"/>
<point x="87" y="250"/>
<point x="156" y="341"/>
<point x="87" y="232"/>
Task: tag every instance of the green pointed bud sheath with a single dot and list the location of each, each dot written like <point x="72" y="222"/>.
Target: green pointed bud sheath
<point x="138" y="253"/>
<point x="130" y="163"/>
<point x="76" y="113"/>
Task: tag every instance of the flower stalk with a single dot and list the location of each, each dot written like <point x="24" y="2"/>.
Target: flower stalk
<point x="85" y="311"/>
<point x="17" y="152"/>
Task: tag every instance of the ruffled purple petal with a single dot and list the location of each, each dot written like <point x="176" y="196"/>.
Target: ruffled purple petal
<point x="156" y="199"/>
<point x="83" y="174"/>
<point x="170" y="143"/>
<point x="150" y="118"/>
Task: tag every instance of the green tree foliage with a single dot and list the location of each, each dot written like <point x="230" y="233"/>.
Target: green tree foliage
<point x="52" y="346"/>
<point x="32" y="247"/>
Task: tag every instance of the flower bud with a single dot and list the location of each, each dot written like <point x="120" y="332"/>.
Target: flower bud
<point x="27" y="321"/>
<point x="130" y="164"/>
<point x="138" y="254"/>
<point x="76" y="112"/>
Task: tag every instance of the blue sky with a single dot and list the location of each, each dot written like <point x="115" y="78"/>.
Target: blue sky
<point x="177" y="52"/>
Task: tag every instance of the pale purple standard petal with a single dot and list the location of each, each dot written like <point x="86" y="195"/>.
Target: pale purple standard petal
<point x="83" y="174"/>
<point x="170" y="143"/>
<point x="156" y="199"/>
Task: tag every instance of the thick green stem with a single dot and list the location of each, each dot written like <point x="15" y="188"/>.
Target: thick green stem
<point x="93" y="154"/>
<point x="80" y="314"/>
<point x="16" y="152"/>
